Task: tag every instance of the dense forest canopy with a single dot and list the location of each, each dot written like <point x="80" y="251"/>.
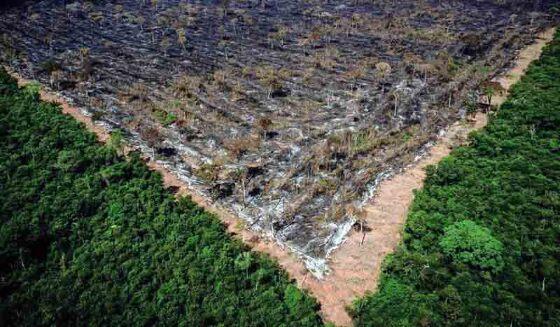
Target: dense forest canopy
<point x="90" y="238"/>
<point x="482" y="240"/>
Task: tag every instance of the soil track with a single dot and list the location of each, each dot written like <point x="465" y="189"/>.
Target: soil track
<point x="356" y="265"/>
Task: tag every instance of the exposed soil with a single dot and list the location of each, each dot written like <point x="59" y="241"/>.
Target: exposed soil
<point x="356" y="265"/>
<point x="284" y="113"/>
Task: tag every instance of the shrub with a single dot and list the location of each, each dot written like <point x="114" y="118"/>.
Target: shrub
<point x="468" y="243"/>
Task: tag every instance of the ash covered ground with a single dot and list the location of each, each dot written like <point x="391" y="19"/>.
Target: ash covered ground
<point x="285" y="112"/>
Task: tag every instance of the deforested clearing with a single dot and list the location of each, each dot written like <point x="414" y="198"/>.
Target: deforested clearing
<point x="287" y="113"/>
<point x="279" y="162"/>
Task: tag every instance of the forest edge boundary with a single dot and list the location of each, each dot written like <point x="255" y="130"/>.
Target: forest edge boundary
<point x="356" y="264"/>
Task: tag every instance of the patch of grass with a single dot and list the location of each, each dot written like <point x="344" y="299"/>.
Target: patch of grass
<point x="165" y="118"/>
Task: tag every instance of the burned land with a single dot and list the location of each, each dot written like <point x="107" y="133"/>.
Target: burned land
<point x="285" y="112"/>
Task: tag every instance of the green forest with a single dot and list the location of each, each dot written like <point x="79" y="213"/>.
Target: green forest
<point x="481" y="245"/>
<point x="91" y="238"/>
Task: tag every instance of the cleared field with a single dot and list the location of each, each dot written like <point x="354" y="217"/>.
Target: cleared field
<point x="286" y="112"/>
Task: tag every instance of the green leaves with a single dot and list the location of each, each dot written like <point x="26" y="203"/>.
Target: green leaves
<point x="468" y="243"/>
<point x="116" y="141"/>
